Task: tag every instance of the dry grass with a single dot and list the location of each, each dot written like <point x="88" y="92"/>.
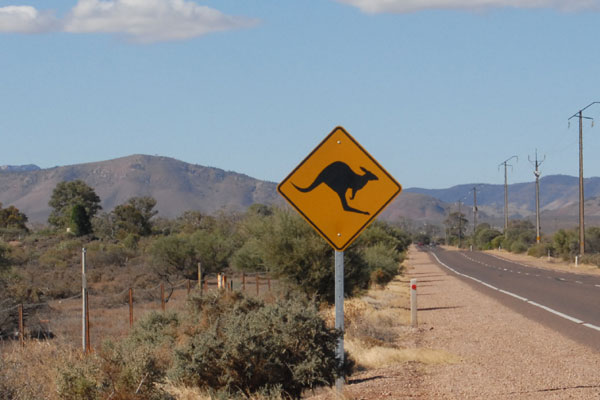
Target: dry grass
<point x="31" y="371"/>
<point x="372" y="357"/>
<point x="378" y="333"/>
<point x="185" y="393"/>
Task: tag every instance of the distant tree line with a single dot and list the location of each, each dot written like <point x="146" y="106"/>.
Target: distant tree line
<point x="263" y="239"/>
<point x="520" y="237"/>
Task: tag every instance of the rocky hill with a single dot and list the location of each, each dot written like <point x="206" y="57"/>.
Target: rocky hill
<point x="177" y="186"/>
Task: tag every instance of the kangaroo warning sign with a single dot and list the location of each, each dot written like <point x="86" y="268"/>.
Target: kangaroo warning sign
<point x="339" y="188"/>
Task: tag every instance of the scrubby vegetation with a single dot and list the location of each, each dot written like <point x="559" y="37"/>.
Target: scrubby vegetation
<point x="225" y="344"/>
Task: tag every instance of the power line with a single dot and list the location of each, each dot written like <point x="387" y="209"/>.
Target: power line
<point x="537" y="174"/>
<point x="581" y="117"/>
<point x="505" y="163"/>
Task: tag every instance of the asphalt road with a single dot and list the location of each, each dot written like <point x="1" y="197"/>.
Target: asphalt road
<point x="568" y="303"/>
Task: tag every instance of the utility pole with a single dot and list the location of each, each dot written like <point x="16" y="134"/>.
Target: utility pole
<point x="580" y="116"/>
<point x="459" y="226"/>
<point x="505" y="163"/>
<point x="474" y="209"/>
<point x="537" y="174"/>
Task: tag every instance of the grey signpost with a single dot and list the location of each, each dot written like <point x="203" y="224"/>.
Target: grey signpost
<point x="340" y="163"/>
<point x="339" y="311"/>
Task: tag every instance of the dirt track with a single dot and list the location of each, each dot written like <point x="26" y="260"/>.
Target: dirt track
<point x="501" y="355"/>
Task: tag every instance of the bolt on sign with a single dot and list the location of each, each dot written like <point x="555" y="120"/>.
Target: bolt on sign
<point x="339" y="188"/>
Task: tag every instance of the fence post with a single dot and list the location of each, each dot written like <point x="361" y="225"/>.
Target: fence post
<point x="257" y="284"/>
<point x="189" y="287"/>
<point x="84" y="305"/>
<point x="21" y="326"/>
<point x="200" y="278"/>
<point x="88" y="348"/>
<point x="413" y="302"/>
<point x="162" y="296"/>
<point x="244" y="281"/>
<point x="269" y="282"/>
<point x="130" y="308"/>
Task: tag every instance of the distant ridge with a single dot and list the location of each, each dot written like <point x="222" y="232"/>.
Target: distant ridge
<point x="176" y="185"/>
<point x="179" y="186"/>
<point x="19" y="168"/>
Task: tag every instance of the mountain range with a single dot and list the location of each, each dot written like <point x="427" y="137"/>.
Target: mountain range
<point x="179" y="186"/>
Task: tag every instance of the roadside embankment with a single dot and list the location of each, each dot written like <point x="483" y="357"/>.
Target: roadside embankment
<point x="480" y="348"/>
<point x="503" y="355"/>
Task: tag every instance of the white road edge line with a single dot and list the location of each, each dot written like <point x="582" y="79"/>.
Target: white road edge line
<point x="592" y="326"/>
<point x="550" y="310"/>
<point x="565" y="316"/>
<point x="513" y="295"/>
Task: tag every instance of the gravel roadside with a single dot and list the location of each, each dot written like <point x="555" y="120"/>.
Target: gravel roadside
<point x="496" y="352"/>
<point x="502" y="354"/>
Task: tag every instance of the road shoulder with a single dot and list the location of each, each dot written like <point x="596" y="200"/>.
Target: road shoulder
<point x="502" y="354"/>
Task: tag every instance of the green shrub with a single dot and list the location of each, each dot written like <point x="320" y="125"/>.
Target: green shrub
<point x="518" y="247"/>
<point x="384" y="262"/>
<point x="125" y="370"/>
<point x="4" y="254"/>
<point x="103" y="254"/>
<point x="174" y="254"/>
<point x="566" y="243"/>
<point x="593" y="259"/>
<point x="62" y="255"/>
<point x="498" y="241"/>
<point x="78" y="380"/>
<point x="540" y="250"/>
<point x="245" y="347"/>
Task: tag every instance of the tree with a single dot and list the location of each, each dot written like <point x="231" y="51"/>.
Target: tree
<point x="11" y="217"/>
<point x="520" y="235"/>
<point x="456" y="225"/>
<point x="484" y="236"/>
<point x="135" y="215"/>
<point x="65" y="196"/>
<point x="80" y="221"/>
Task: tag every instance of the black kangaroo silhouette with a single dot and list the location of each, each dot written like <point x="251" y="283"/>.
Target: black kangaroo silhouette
<point x="340" y="177"/>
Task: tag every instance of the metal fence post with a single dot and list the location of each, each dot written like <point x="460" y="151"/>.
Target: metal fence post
<point x="130" y="308"/>
<point x="84" y="306"/>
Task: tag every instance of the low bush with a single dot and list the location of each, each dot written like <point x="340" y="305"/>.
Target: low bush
<point x="540" y="250"/>
<point x="593" y="259"/>
<point x="125" y="370"/>
<point x="518" y="247"/>
<point x="244" y="347"/>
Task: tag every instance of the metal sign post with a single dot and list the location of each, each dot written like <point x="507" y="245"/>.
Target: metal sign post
<point x="339" y="312"/>
<point x="339" y="189"/>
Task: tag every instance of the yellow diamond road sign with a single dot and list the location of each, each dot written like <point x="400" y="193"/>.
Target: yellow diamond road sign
<point x="339" y="188"/>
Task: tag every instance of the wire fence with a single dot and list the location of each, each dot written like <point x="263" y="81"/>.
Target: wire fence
<point x="110" y="315"/>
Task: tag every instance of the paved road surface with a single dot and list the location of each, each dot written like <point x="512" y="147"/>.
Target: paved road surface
<point x="566" y="302"/>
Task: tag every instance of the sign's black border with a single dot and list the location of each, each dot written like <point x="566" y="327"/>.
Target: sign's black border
<point x="369" y="221"/>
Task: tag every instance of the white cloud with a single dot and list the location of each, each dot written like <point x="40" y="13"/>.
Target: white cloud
<point x="150" y="20"/>
<point x="143" y="21"/>
<point x="406" y="6"/>
<point x="25" y="19"/>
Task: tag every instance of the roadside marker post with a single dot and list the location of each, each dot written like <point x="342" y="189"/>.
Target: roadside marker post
<point x="413" y="302"/>
<point x="339" y="189"/>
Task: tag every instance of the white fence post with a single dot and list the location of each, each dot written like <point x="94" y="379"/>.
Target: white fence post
<point x="413" y="302"/>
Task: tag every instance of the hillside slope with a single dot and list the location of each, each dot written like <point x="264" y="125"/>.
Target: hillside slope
<point x="177" y="186"/>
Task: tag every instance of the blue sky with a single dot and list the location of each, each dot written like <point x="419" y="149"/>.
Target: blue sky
<point x="439" y="91"/>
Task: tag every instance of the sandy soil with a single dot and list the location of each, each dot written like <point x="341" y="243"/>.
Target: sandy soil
<point x="499" y="354"/>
